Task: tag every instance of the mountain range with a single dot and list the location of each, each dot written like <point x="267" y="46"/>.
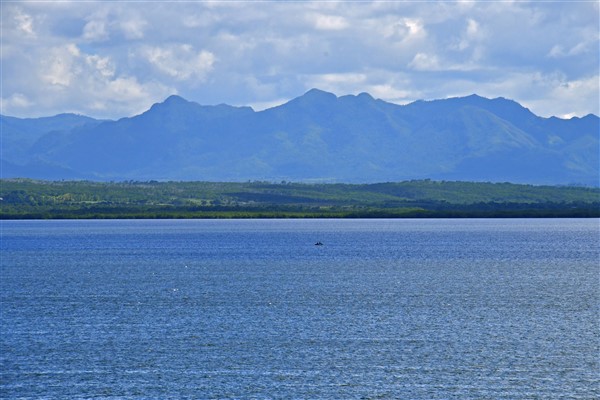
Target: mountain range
<point x="317" y="137"/>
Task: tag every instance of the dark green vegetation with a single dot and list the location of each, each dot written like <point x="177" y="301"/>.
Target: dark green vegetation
<point x="31" y="199"/>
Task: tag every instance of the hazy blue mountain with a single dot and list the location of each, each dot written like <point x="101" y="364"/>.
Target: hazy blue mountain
<point x="315" y="137"/>
<point x="19" y="134"/>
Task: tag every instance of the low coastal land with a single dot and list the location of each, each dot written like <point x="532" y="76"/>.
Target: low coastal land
<point x="34" y="199"/>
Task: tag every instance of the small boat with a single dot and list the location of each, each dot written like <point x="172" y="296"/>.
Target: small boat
<point x="318" y="244"/>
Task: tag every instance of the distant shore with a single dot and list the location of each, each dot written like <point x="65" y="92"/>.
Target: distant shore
<point x="33" y="199"/>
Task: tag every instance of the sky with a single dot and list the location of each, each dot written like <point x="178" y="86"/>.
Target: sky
<point x="114" y="59"/>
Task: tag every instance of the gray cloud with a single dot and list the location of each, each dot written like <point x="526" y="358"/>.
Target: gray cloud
<point x="111" y="59"/>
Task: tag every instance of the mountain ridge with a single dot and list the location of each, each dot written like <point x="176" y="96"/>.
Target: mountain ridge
<point x="315" y="137"/>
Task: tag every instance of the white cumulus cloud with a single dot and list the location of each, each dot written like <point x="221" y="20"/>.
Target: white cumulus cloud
<point x="96" y="31"/>
<point x="133" y="27"/>
<point x="60" y="66"/>
<point x="425" y="62"/>
<point x="65" y="56"/>
<point x="90" y="83"/>
<point x="25" y="23"/>
<point x="15" y="102"/>
<point x="181" y="62"/>
<point x="330" y="22"/>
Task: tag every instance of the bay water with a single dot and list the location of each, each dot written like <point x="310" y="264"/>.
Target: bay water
<point x="252" y="309"/>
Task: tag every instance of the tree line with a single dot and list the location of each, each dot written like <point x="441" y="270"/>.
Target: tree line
<point x="26" y="198"/>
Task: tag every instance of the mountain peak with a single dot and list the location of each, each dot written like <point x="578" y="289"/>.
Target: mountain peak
<point x="171" y="103"/>
<point x="319" y="94"/>
<point x="175" y="99"/>
<point x="311" y="99"/>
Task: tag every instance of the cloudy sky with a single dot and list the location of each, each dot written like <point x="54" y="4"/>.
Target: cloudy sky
<point x="114" y="59"/>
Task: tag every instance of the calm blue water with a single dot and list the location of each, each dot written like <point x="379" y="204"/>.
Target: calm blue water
<point x="386" y="309"/>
